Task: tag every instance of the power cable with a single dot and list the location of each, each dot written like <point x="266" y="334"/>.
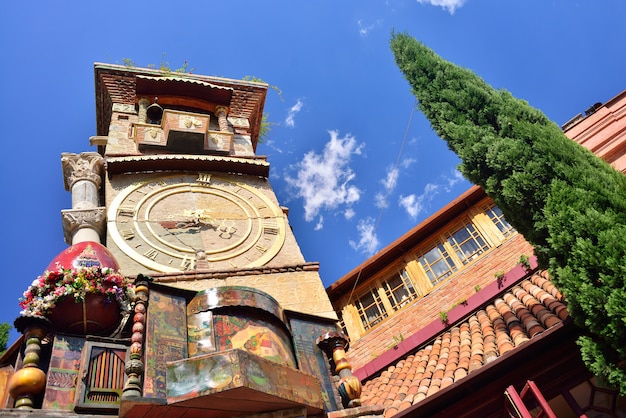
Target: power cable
<point x="388" y="192"/>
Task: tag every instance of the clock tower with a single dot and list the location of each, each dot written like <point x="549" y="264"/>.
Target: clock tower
<point x="187" y="200"/>
<point x="183" y="290"/>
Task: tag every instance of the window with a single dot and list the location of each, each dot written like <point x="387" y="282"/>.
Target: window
<point x="102" y="377"/>
<point x="399" y="289"/>
<point x="437" y="263"/>
<point x="496" y="216"/>
<point x="467" y="243"/>
<point x="371" y="309"/>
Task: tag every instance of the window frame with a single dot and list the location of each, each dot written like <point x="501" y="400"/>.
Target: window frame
<point x="364" y="318"/>
<point x="498" y="219"/>
<point x="444" y="256"/>
<point x="473" y="238"/>
<point x="406" y="283"/>
<point x="82" y="401"/>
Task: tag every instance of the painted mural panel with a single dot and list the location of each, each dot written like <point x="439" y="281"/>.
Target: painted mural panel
<point x="63" y="373"/>
<point x="229" y="370"/>
<point x="166" y="339"/>
<point x="311" y="358"/>
<point x="200" y="339"/>
<point x="255" y="335"/>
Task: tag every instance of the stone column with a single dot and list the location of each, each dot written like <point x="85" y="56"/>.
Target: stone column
<point x="82" y="175"/>
<point x="222" y="112"/>
<point x="143" y="108"/>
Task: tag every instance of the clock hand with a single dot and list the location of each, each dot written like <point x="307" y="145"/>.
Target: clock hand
<point x="178" y="224"/>
<point x="186" y="227"/>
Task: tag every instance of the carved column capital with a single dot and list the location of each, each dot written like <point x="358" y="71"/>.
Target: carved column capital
<point x="219" y="110"/>
<point x="83" y="166"/>
<point x="75" y="219"/>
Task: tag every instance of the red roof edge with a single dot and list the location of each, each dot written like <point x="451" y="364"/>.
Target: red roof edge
<point x="436" y="327"/>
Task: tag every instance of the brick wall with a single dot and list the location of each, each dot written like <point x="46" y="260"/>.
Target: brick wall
<point x="460" y="286"/>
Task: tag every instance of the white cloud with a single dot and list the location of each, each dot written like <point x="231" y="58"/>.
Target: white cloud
<point x="364" y="30"/>
<point x="320" y="223"/>
<point x="389" y="183"/>
<point x="368" y="241"/>
<point x="380" y="200"/>
<point x="416" y="204"/>
<point x="272" y="144"/>
<point x="391" y="179"/>
<point x="290" y="120"/>
<point x="456" y="177"/>
<point x="323" y="180"/>
<point x="407" y="162"/>
<point x="349" y="213"/>
<point x="412" y="204"/>
<point x="449" y="5"/>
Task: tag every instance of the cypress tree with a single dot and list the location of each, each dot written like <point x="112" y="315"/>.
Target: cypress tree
<point x="567" y="202"/>
<point x="5" y="328"/>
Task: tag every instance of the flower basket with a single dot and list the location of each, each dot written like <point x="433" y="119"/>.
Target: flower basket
<point x="84" y="300"/>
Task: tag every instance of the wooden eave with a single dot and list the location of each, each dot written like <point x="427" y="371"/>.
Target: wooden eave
<point x="407" y="241"/>
<point x="179" y="162"/>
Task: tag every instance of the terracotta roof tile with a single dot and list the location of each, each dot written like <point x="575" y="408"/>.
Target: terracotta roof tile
<point x="391" y="411"/>
<point x="404" y="405"/>
<point x="521" y="313"/>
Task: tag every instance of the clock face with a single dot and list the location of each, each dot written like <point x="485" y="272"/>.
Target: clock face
<point x="186" y="222"/>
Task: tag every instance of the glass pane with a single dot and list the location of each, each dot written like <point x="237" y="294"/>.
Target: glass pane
<point x="437" y="264"/>
<point x="497" y="217"/>
<point x="399" y="289"/>
<point x="371" y="309"/>
<point x="467" y="243"/>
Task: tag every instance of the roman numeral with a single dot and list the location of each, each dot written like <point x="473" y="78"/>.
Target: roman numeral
<point x="204" y="179"/>
<point x="126" y="210"/>
<point x="151" y="254"/>
<point x="270" y="228"/>
<point x="188" y="263"/>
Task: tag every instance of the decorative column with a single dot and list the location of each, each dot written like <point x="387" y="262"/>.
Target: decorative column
<point x="222" y="121"/>
<point x="143" y="110"/>
<point x="334" y="345"/>
<point x="82" y="175"/>
<point x="134" y="366"/>
<point x="28" y="382"/>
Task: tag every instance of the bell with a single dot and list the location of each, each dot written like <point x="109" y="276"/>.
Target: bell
<point x="154" y="112"/>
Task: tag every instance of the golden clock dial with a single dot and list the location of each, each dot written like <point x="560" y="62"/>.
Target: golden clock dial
<point x="186" y="222"/>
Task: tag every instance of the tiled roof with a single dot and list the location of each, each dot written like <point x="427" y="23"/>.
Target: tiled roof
<point x="520" y="314"/>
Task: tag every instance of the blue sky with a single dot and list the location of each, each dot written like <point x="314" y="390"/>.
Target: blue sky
<point x="356" y="165"/>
